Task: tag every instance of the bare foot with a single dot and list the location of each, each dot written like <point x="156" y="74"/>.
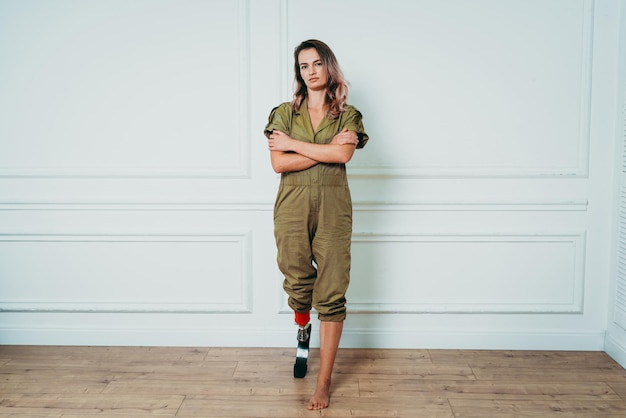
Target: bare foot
<point x="321" y="396"/>
<point x="330" y="333"/>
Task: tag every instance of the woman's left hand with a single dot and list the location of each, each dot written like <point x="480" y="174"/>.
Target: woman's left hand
<point x="345" y="137"/>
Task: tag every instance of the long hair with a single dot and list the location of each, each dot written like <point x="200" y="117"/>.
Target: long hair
<point x="336" y="86"/>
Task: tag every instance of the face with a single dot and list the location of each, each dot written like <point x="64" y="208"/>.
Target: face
<point x="312" y="69"/>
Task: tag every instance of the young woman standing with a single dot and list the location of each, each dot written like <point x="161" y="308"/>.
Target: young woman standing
<point x="310" y="140"/>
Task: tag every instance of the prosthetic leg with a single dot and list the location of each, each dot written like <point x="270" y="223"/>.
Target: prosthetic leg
<point x="304" y="337"/>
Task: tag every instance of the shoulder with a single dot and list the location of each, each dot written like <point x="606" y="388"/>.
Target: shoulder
<point x="283" y="108"/>
<point x="282" y="112"/>
<point x="280" y="118"/>
<point x="350" y="111"/>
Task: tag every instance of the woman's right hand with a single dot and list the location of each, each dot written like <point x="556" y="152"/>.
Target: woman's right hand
<point x="279" y="141"/>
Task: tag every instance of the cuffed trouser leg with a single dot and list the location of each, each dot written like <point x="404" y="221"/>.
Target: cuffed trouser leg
<point x="317" y="233"/>
<point x="300" y="274"/>
<point x="295" y="257"/>
<point x="331" y="249"/>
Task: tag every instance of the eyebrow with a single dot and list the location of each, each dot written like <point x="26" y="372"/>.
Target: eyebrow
<point x="306" y="63"/>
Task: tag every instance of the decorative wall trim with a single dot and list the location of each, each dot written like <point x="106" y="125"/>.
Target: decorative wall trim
<point x="539" y="205"/>
<point x="574" y="306"/>
<point x="579" y="170"/>
<point x="135" y="172"/>
<point x="49" y="306"/>
<point x="352" y="338"/>
<point x="148" y="206"/>
<point x="243" y="95"/>
<point x="467" y="206"/>
<point x="284" y="55"/>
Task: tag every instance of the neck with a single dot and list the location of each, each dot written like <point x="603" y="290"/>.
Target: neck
<point x="316" y="99"/>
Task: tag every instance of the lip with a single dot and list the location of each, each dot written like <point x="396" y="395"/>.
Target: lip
<point x="313" y="79"/>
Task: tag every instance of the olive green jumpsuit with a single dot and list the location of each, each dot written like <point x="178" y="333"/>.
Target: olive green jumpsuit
<point x="313" y="217"/>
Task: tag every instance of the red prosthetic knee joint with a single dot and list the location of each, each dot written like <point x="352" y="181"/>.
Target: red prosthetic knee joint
<point x="303" y="318"/>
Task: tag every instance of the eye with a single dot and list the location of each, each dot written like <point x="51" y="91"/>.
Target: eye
<point x="303" y="67"/>
<point x="319" y="64"/>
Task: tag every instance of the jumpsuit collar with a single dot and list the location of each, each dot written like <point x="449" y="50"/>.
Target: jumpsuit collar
<point x="304" y="109"/>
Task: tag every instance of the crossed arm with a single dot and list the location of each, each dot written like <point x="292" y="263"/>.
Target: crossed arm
<point x="288" y="154"/>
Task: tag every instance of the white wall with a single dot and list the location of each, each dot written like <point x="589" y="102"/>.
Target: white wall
<point x="615" y="342"/>
<point x="136" y="193"/>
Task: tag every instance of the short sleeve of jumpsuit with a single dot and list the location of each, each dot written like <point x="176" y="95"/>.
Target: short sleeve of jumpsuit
<point x="313" y="217"/>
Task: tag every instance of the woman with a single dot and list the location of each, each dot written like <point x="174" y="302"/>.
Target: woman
<point x="311" y="139"/>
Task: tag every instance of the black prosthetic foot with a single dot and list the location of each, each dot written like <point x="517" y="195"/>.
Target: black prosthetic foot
<point x="302" y="352"/>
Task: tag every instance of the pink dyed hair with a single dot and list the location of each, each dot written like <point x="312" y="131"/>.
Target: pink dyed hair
<point x="336" y="87"/>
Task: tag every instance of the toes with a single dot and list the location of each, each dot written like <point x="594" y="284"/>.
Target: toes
<point x="314" y="405"/>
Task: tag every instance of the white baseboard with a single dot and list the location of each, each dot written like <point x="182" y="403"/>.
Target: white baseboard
<point x="352" y="338"/>
<point x="615" y="349"/>
<point x="476" y="340"/>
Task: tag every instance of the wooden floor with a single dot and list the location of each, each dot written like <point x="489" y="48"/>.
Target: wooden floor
<point x="71" y="382"/>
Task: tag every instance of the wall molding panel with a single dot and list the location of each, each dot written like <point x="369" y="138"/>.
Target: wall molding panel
<point x="69" y="277"/>
<point x="493" y="260"/>
<point x="231" y="162"/>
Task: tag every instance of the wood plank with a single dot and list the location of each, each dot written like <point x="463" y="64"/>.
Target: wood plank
<point x="525" y="358"/>
<point x="619" y="388"/>
<point x="383" y="388"/>
<point x="295" y="406"/>
<point x="549" y="374"/>
<point x="54" y="386"/>
<point x="98" y="353"/>
<point x="111" y="415"/>
<point x="360" y="354"/>
<point x="254" y="354"/>
<point x="363" y="368"/>
<point x="42" y="415"/>
<point x="464" y="408"/>
<point x="88" y="404"/>
<point x="69" y="369"/>
<point x="266" y="386"/>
